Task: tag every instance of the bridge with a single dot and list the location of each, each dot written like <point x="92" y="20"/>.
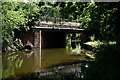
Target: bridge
<point x="58" y="24"/>
<point x="51" y="32"/>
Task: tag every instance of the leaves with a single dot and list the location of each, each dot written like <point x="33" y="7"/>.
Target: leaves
<point x="99" y="16"/>
<point x="14" y="16"/>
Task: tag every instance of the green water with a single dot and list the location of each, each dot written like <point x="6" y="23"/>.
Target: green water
<point x="22" y="62"/>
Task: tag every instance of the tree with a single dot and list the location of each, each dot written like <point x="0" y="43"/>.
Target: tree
<point x="101" y="16"/>
<point x="14" y="16"/>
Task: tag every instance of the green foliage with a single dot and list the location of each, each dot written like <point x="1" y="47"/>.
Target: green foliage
<point x="49" y="10"/>
<point x="11" y="62"/>
<point x="101" y="17"/>
<point x="14" y="16"/>
<point x="106" y="65"/>
<point x="68" y="40"/>
<point x="70" y="37"/>
<point x="71" y="10"/>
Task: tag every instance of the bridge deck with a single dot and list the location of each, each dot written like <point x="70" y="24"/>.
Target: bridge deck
<point x="72" y="30"/>
<point x="59" y="26"/>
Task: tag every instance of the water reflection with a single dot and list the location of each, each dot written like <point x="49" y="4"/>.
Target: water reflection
<point x="22" y="62"/>
<point x="32" y="62"/>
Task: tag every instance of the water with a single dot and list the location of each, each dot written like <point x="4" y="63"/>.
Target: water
<point x="26" y="62"/>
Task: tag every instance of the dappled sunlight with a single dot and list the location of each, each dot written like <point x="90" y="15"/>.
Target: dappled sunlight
<point x="89" y="30"/>
<point x="27" y="62"/>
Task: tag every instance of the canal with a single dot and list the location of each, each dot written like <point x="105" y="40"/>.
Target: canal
<point x="27" y="62"/>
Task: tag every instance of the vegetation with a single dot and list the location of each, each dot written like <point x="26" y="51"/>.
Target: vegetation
<point x="102" y="18"/>
<point x="15" y="15"/>
<point x="105" y="65"/>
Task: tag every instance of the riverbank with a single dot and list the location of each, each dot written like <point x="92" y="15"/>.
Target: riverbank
<point x="61" y="72"/>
